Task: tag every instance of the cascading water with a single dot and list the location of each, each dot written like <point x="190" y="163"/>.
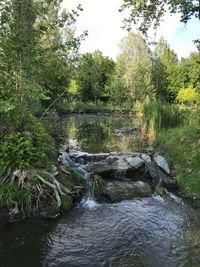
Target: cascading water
<point x="88" y="200"/>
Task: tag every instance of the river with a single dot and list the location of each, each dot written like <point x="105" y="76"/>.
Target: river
<point x="153" y="231"/>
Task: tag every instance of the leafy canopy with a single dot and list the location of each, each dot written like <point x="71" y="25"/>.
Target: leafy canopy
<point x="145" y="14"/>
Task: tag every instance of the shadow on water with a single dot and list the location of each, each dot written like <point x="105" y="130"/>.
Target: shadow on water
<point x="153" y="232"/>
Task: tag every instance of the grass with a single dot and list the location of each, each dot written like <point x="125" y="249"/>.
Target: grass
<point x="181" y="146"/>
<point x="157" y="116"/>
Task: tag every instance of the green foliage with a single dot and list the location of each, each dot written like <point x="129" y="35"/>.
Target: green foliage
<point x="182" y="147"/>
<point x="165" y="72"/>
<point x="73" y="89"/>
<point x="190" y="71"/>
<point x="132" y="79"/>
<point x="92" y="107"/>
<point x="158" y="116"/>
<point x="30" y="148"/>
<point x="149" y="14"/>
<point x="188" y="95"/>
<point x="10" y="193"/>
<point x="5" y="106"/>
<point x="94" y="75"/>
<point x="66" y="202"/>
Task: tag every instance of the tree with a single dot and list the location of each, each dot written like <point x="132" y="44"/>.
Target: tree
<point x="133" y="69"/>
<point x="145" y="14"/>
<point x="37" y="54"/>
<point x="37" y="49"/>
<point x="58" y="47"/>
<point x="190" y="71"/>
<point x="18" y="46"/>
<point x="94" y="74"/>
<point x="165" y="72"/>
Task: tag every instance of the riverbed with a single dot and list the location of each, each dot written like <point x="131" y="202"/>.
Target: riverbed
<point x="154" y="231"/>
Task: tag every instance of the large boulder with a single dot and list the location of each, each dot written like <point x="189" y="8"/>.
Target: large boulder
<point x="117" y="167"/>
<point x="115" y="191"/>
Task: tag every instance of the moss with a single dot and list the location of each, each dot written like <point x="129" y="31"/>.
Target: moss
<point x="181" y="146"/>
<point x="76" y="179"/>
<point x="66" y="202"/>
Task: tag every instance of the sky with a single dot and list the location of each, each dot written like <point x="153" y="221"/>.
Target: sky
<point x="104" y="25"/>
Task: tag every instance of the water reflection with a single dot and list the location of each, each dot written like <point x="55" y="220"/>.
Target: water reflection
<point x="96" y="133"/>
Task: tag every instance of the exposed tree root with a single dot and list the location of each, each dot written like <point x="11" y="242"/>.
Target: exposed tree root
<point x="46" y="188"/>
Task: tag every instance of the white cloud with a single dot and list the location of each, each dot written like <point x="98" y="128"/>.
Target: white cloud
<point x="103" y="22"/>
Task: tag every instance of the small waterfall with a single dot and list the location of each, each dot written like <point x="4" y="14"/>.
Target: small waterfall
<point x="88" y="200"/>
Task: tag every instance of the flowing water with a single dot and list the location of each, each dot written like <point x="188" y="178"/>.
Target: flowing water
<point x="152" y="231"/>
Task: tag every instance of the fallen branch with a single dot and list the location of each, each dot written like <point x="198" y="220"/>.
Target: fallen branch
<point x="46" y="110"/>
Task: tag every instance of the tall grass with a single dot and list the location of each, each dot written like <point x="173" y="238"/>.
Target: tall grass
<point x="157" y="116"/>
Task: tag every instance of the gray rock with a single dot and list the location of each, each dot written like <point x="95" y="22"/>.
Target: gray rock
<point x="146" y="158"/>
<point x="161" y="178"/>
<point x="116" y="167"/>
<point x="162" y="163"/>
<point x="110" y="164"/>
<point x="135" y="162"/>
<point x="120" y="190"/>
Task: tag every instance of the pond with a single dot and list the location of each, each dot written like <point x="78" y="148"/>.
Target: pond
<point x="153" y="231"/>
<point x="96" y="134"/>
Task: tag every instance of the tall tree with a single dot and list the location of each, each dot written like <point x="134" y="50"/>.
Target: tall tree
<point x="18" y="46"/>
<point x="94" y="75"/>
<point x="190" y="71"/>
<point x="165" y="72"/>
<point x="58" y="47"/>
<point x="134" y="68"/>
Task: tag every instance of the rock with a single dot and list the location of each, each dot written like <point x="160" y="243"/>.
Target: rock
<point x="135" y="162"/>
<point x="116" y="167"/>
<point x="162" y="163"/>
<point x="146" y="158"/>
<point x="124" y="155"/>
<point x="121" y="190"/>
<point x="161" y="178"/>
<point x="84" y="157"/>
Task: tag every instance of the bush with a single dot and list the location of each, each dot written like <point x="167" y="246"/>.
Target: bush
<point x="31" y="148"/>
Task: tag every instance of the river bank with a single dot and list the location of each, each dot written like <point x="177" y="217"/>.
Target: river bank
<point x="97" y="133"/>
<point x="181" y="147"/>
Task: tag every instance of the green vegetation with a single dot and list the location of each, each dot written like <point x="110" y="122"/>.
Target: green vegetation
<point x="38" y="54"/>
<point x="42" y="71"/>
<point x="149" y="14"/>
<point x="182" y="148"/>
<point x="157" y="116"/>
<point x="175" y="131"/>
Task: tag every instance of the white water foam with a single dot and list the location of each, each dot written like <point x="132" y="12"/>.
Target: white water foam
<point x="89" y="202"/>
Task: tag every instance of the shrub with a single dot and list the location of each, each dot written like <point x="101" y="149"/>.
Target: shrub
<point x="30" y="148"/>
